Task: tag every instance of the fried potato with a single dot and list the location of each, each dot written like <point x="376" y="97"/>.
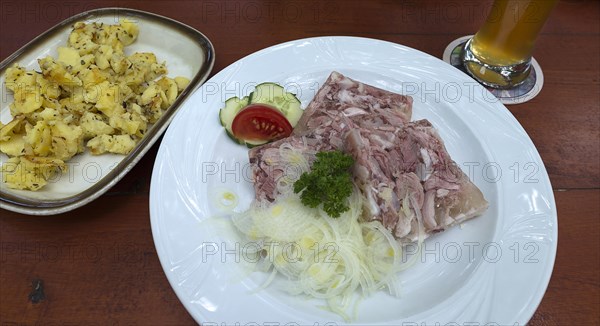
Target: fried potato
<point x="92" y="95"/>
<point x="58" y="73"/>
<point x="13" y="127"/>
<point x="14" y="146"/>
<point x="39" y="138"/>
<point x="118" y="144"/>
<point x="93" y="125"/>
<point x="30" y="173"/>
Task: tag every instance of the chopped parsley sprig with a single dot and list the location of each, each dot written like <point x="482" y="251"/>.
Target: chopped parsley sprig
<point x="329" y="183"/>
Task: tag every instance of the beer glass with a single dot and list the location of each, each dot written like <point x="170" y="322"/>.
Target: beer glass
<point x="499" y="55"/>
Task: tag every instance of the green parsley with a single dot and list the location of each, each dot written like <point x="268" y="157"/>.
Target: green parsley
<point x="329" y="183"/>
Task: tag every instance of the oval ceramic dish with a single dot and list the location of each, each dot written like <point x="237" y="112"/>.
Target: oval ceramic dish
<point x="187" y="53"/>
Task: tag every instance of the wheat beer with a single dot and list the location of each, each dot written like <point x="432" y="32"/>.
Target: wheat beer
<point x="499" y="55"/>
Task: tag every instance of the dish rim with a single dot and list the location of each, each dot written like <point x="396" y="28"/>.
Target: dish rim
<point x="29" y="206"/>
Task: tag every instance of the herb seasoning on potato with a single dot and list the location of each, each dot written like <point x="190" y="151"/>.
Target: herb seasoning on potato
<point x="91" y="96"/>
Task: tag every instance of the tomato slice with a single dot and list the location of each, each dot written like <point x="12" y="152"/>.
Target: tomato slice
<point x="260" y="122"/>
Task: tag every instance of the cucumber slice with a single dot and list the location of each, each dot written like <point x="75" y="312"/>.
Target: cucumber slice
<point x="266" y="93"/>
<point x="248" y="143"/>
<point x="254" y="143"/>
<point x="232" y="137"/>
<point x="276" y="96"/>
<point x="231" y="109"/>
<point x="226" y="115"/>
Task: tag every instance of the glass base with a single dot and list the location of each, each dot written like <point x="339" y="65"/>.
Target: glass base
<point x="522" y="93"/>
<point x="502" y="77"/>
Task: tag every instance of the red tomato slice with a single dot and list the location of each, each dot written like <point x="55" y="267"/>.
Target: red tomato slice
<point x="260" y="122"/>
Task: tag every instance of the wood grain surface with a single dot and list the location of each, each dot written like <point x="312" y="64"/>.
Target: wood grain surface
<point x="97" y="265"/>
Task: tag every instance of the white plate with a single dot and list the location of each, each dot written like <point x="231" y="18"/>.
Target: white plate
<point x="187" y="53"/>
<point x="493" y="269"/>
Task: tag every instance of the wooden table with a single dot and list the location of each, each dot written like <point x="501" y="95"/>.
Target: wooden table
<point x="98" y="264"/>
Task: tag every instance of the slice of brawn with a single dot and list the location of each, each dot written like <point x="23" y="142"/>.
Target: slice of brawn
<point x="357" y="101"/>
<point x="411" y="183"/>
